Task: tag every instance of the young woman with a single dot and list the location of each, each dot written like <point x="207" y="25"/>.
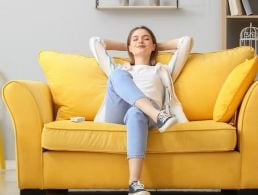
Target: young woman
<point x="140" y="94"/>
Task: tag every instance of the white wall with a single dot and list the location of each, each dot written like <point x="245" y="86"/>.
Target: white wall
<point x="28" y="26"/>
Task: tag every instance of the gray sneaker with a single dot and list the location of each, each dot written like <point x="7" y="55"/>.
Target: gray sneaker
<point x="137" y="188"/>
<point x="164" y="120"/>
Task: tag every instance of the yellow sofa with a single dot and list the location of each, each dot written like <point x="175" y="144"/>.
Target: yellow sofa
<point x="206" y="153"/>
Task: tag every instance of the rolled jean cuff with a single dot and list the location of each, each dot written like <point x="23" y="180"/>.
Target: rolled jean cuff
<point x="136" y="156"/>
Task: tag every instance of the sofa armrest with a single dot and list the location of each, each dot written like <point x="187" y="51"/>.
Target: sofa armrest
<point x="247" y="126"/>
<point x="30" y="106"/>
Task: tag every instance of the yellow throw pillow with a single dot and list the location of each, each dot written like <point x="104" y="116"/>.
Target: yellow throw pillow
<point x="77" y="83"/>
<point x="120" y="60"/>
<point x="233" y="90"/>
<point x="164" y="57"/>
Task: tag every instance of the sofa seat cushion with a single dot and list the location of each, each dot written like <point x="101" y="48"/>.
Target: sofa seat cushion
<point x="198" y="136"/>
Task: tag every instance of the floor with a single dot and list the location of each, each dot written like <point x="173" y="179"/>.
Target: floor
<point x="8" y="186"/>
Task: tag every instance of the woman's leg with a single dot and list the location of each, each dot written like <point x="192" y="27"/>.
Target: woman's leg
<point x="116" y="107"/>
<point x="123" y="93"/>
<point x="137" y="125"/>
<point x="135" y="169"/>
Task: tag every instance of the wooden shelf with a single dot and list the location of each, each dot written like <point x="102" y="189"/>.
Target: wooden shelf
<point x="243" y="17"/>
<point x="137" y="7"/>
<point x="101" y="6"/>
<point x="233" y="25"/>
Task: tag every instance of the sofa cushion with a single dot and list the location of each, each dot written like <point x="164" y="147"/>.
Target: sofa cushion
<point x="201" y="136"/>
<point x="233" y="90"/>
<point x="200" y="82"/>
<point x="76" y="82"/>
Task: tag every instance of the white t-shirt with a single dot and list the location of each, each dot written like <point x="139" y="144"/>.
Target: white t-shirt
<point x="147" y="79"/>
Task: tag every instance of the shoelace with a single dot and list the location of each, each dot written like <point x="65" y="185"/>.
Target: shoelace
<point x="163" y="116"/>
<point x="138" y="185"/>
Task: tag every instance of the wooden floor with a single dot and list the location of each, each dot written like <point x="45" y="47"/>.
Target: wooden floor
<point x="8" y="186"/>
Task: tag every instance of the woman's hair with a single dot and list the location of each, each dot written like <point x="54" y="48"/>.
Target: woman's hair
<point x="153" y="53"/>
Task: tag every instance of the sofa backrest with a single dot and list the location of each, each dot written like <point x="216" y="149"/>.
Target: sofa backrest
<point x="78" y="84"/>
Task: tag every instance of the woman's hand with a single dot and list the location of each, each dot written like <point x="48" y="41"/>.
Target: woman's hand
<point x="168" y="45"/>
<point x="171" y="44"/>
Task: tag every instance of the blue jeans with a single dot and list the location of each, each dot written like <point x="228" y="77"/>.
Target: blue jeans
<point x="121" y="96"/>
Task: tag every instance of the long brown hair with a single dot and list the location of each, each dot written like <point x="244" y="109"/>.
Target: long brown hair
<point x="153" y="53"/>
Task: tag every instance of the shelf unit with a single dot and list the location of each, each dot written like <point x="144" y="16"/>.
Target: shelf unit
<point x="232" y="25"/>
<point x="136" y="7"/>
<point x="243" y="17"/>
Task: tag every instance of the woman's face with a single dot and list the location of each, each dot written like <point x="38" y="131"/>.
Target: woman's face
<point x="141" y="43"/>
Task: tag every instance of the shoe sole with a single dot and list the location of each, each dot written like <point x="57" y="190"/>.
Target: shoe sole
<point x="170" y="122"/>
<point x="140" y="193"/>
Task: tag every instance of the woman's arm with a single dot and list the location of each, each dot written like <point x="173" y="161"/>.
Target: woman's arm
<point x="183" y="48"/>
<point x="168" y="45"/>
<point x="114" y="45"/>
<point x="98" y="49"/>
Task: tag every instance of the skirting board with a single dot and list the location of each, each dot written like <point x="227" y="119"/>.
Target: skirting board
<point x="10" y="165"/>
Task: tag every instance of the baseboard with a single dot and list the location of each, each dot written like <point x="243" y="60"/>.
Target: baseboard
<point x="10" y="164"/>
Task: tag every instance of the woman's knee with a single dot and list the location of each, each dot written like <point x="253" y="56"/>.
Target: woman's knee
<point x="119" y="75"/>
<point x="136" y="115"/>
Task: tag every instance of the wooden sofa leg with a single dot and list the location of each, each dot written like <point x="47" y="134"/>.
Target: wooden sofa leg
<point x="43" y="192"/>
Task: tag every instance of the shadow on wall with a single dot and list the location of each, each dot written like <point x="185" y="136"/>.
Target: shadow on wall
<point x="3" y="80"/>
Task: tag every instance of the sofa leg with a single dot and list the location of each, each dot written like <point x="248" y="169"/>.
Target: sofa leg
<point x="32" y="191"/>
<point x="43" y="192"/>
<point x="57" y="192"/>
<point x="248" y="192"/>
<point x="229" y="192"/>
<point x="239" y="192"/>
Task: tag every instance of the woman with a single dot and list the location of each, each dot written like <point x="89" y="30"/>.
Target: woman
<point x="140" y="94"/>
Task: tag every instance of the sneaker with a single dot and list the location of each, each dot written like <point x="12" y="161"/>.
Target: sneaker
<point x="137" y="188"/>
<point x="165" y="120"/>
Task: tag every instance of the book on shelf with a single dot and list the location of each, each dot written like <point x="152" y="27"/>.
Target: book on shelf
<point x="235" y="7"/>
<point x="247" y="7"/>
